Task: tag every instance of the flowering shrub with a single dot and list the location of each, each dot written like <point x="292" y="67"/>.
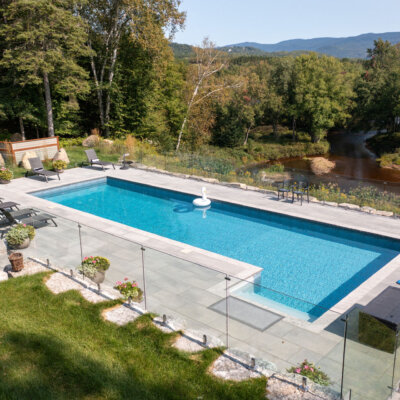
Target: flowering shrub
<point x="129" y="290"/>
<point x="6" y="174"/>
<point x="312" y="372"/>
<point x="19" y="233"/>
<point x="91" y="265"/>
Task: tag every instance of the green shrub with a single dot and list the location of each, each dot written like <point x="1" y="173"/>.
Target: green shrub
<point x="6" y="174"/>
<point x="59" y="165"/>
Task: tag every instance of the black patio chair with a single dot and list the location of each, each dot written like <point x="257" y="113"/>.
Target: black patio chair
<point x="94" y="160"/>
<point x="284" y="188"/>
<point x="8" y="205"/>
<point x="299" y="190"/>
<point x="38" y="169"/>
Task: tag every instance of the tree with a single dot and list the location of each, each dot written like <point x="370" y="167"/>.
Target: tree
<point x="144" y="22"/>
<point x="323" y="93"/>
<point x="378" y="89"/>
<point x="44" y="40"/>
<point x="201" y="82"/>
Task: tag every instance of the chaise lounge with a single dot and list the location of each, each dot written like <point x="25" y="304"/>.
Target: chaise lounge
<point x="38" y="169"/>
<point x="28" y="217"/>
<point x="94" y="160"/>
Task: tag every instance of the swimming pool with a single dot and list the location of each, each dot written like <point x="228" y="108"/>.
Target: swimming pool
<point x="307" y="266"/>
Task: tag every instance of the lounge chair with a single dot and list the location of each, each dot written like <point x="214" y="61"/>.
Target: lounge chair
<point x="300" y="190"/>
<point x="38" y="169"/>
<point x="8" y="205"/>
<point x="27" y="217"/>
<point x="94" y="160"/>
<point x="284" y="188"/>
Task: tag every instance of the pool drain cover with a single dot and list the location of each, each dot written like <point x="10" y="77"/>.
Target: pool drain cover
<point x="247" y="313"/>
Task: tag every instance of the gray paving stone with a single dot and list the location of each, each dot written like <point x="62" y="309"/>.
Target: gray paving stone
<point x="120" y="315"/>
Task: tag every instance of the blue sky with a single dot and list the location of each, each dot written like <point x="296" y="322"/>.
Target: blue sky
<point x="270" y="21"/>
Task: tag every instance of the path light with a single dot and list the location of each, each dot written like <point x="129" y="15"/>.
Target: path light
<point x="304" y="387"/>
<point x="252" y="363"/>
<point x="98" y="287"/>
<point x="71" y="272"/>
<point x="164" y="319"/>
<point x="204" y="340"/>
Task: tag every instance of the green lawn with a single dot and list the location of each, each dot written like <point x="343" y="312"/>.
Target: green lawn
<point x="59" y="347"/>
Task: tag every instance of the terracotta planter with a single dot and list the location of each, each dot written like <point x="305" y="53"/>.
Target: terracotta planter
<point x="60" y="171"/>
<point x="99" y="277"/>
<point x="23" y="245"/>
<point x="17" y="261"/>
<point x="3" y="181"/>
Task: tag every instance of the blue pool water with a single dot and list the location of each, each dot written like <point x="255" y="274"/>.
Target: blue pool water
<point x="314" y="265"/>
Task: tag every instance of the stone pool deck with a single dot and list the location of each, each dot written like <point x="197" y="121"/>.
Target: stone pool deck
<point x="179" y="287"/>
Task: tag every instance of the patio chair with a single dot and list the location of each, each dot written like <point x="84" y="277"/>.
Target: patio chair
<point x="38" y="169"/>
<point x="8" y="205"/>
<point x="299" y="190"/>
<point x="94" y="160"/>
<point x="284" y="188"/>
<point x="28" y="217"/>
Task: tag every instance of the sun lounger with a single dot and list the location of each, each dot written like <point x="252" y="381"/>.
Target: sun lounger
<point x="94" y="160"/>
<point x="38" y="169"/>
<point x="18" y="217"/>
<point x="5" y="205"/>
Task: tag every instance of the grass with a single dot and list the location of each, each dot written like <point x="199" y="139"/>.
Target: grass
<point x="59" y="347"/>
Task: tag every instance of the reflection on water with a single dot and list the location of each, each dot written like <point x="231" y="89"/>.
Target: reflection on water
<point x="352" y="157"/>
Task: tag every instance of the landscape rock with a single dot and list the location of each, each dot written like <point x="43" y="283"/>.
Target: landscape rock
<point x="91" y="296"/>
<point x="384" y="213"/>
<point x="30" y="268"/>
<point x="2" y="163"/>
<point x="322" y="166"/>
<point x="3" y="276"/>
<point x="349" y="206"/>
<point x="368" y="210"/>
<point x="237" y="185"/>
<point x="331" y="203"/>
<point x="25" y="159"/>
<point x="120" y="315"/>
<point x="60" y="283"/>
<point x="209" y="180"/>
<point x="184" y="343"/>
<point x="91" y="141"/>
<point x="224" y="367"/>
<point x="61" y="155"/>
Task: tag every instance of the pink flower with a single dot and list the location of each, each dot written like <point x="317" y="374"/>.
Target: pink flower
<point x="94" y="262"/>
<point x="119" y="283"/>
<point x="125" y="279"/>
<point x="24" y="225"/>
<point x="298" y="370"/>
<point x="306" y="366"/>
<point x="133" y="285"/>
<point x="85" y="259"/>
<point x="311" y="369"/>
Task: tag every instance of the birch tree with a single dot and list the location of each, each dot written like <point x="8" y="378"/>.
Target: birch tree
<point x="201" y="85"/>
<point x="44" y="39"/>
<point x="143" y="21"/>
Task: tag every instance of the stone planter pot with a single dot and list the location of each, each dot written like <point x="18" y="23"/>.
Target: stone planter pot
<point x="17" y="261"/>
<point x="60" y="171"/>
<point x="23" y="245"/>
<point x="99" y="277"/>
<point x="4" y="182"/>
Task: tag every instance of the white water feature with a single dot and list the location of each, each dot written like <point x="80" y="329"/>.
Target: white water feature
<point x="202" y="201"/>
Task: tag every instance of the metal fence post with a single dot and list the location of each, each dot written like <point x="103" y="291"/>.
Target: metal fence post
<point x="394" y="361"/>
<point x="80" y="246"/>
<point x="144" y="279"/>
<point x="227" y="279"/>
<point x="345" y="320"/>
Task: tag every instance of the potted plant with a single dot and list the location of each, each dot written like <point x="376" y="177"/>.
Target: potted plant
<point x="5" y="175"/>
<point x="17" y="261"/>
<point x="94" y="267"/>
<point x="20" y="236"/>
<point x="59" y="166"/>
<point x="129" y="290"/>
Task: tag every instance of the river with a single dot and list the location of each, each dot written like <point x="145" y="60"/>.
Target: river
<point x="354" y="161"/>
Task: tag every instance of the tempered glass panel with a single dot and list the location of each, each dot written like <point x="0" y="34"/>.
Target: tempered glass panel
<point x="369" y="357"/>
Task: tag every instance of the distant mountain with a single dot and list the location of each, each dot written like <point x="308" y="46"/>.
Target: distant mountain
<point x="350" y="47"/>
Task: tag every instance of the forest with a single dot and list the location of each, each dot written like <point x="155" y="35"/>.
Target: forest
<point x="69" y="68"/>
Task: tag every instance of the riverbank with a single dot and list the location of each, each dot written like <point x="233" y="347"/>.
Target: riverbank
<point x="387" y="147"/>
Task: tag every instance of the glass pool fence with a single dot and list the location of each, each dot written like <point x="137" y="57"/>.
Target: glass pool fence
<point x="217" y="309"/>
